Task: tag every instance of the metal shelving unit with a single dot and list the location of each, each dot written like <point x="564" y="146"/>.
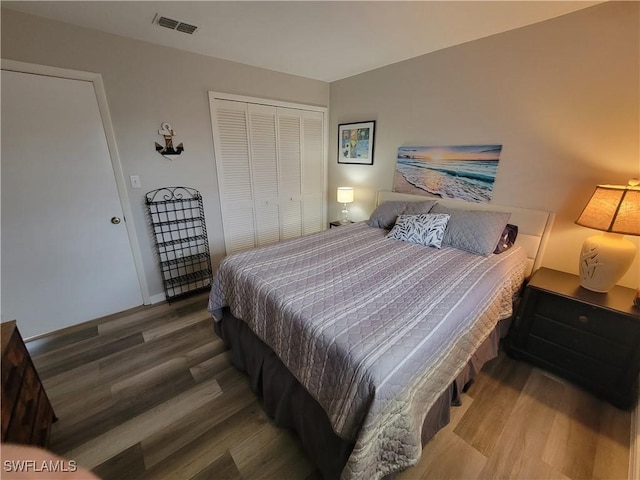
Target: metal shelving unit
<point x="177" y="222"/>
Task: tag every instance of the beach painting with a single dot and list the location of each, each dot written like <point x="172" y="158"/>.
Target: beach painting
<point x="465" y="172"/>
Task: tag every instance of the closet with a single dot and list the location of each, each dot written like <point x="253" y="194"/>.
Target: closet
<point x="271" y="165"/>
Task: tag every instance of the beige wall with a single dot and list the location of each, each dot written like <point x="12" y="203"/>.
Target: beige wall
<point x="561" y="96"/>
<point x="145" y="86"/>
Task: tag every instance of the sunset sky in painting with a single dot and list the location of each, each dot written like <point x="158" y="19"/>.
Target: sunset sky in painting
<point x="471" y="152"/>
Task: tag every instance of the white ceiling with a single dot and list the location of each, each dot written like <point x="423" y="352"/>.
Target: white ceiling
<point x="324" y="40"/>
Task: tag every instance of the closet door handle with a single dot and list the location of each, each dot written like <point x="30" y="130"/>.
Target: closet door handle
<point x="115" y="220"/>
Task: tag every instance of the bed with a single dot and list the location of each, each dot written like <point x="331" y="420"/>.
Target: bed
<point x="360" y="342"/>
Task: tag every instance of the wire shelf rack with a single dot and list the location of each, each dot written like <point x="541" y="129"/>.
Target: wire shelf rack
<point x="178" y="228"/>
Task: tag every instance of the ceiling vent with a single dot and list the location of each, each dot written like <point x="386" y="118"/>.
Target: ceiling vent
<point x="186" y="28"/>
<point x="174" y="24"/>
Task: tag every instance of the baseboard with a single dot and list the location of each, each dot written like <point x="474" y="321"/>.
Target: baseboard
<point x="160" y="297"/>
<point x="83" y="325"/>
<point x="634" y="445"/>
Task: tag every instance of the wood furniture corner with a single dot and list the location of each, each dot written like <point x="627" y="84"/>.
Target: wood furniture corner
<point x="27" y="413"/>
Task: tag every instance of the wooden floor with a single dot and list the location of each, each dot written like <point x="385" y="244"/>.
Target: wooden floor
<point x="150" y="393"/>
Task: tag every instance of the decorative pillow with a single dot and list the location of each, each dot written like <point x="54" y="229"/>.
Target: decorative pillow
<point x="384" y="216"/>
<point x="473" y="231"/>
<point x="426" y="229"/>
<point x="418" y="208"/>
<point x="507" y="239"/>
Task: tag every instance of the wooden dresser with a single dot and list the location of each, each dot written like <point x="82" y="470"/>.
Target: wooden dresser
<point x="26" y="411"/>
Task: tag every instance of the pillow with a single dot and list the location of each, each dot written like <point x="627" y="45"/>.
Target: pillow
<point x="385" y="214"/>
<point x="426" y="229"/>
<point x="507" y="239"/>
<point x="417" y="208"/>
<point x="473" y="231"/>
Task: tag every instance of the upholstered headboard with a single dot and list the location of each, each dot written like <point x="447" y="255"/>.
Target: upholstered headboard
<point x="534" y="226"/>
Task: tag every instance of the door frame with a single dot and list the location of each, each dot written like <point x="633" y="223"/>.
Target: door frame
<point x="118" y="172"/>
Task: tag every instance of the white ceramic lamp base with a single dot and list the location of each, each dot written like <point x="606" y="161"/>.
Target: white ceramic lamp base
<point x="604" y="259"/>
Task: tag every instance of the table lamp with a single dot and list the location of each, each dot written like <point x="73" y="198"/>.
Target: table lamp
<point x="345" y="196"/>
<point x="604" y="259"/>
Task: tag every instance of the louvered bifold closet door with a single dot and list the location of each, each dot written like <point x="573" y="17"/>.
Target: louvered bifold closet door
<point x="313" y="172"/>
<point x="271" y="164"/>
<point x="264" y="163"/>
<point x="290" y="172"/>
<point x="233" y="164"/>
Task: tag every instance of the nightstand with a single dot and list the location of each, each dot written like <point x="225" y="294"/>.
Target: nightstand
<point x="338" y="223"/>
<point x="592" y="339"/>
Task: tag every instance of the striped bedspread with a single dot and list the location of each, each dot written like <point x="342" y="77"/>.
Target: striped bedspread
<point x="374" y="328"/>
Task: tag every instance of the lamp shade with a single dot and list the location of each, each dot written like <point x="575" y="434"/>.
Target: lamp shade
<point x="345" y="194"/>
<point x="613" y="208"/>
<point x="605" y="258"/>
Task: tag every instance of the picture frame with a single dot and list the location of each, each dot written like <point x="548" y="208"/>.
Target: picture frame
<point x="465" y="172"/>
<point x="356" y="142"/>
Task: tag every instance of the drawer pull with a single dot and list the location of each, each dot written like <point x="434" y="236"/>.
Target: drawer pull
<point x="583" y="319"/>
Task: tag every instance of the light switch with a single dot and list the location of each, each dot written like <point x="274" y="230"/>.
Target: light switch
<point x="135" y="181"/>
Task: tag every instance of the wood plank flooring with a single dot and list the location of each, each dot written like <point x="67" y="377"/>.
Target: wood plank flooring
<point x="150" y="393"/>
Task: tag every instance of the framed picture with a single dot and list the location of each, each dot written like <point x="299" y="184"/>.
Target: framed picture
<point x="467" y="172"/>
<point x="355" y="142"/>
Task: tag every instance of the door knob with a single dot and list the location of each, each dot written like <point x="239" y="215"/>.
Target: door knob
<point x="115" y="220"/>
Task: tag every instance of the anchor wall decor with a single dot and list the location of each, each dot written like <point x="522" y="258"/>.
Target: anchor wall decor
<point x="168" y="151"/>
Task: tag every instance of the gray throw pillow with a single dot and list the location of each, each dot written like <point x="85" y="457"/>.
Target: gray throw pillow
<point x="473" y="231"/>
<point x="419" y="208"/>
<point x="385" y="214"/>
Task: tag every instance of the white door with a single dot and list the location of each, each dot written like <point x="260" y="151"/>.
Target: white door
<point x="233" y="164"/>
<point x="290" y="171"/>
<point x="64" y="261"/>
<point x="264" y="171"/>
<point x="271" y="165"/>
<point x="312" y="169"/>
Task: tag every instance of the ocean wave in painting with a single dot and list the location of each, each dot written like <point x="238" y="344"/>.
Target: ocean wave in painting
<point x="470" y="178"/>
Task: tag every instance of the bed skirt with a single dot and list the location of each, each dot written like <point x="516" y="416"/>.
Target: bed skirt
<point x="290" y="405"/>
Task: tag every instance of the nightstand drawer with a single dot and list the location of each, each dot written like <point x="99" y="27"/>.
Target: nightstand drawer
<point x="589" y="370"/>
<point x="585" y="317"/>
<point x="580" y="341"/>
